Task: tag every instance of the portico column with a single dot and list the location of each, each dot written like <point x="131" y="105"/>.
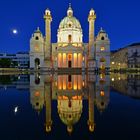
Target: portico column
<point x="62" y="61"/>
<point x="72" y="60"/>
<point x="77" y="60"/>
<point x="66" y="60"/>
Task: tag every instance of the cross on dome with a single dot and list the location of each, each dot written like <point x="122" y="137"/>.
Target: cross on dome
<point x="69" y="5"/>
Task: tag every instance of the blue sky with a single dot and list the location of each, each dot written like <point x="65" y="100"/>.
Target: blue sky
<point x="120" y="19"/>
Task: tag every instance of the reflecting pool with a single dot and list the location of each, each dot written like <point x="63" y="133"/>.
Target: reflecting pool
<point x="65" y="106"/>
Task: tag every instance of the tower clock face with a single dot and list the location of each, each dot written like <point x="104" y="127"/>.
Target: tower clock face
<point x="36" y="47"/>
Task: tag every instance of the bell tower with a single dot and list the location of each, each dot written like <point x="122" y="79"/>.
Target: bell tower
<point x="48" y="20"/>
<point x="91" y="20"/>
<point x="37" y="50"/>
<point x="102" y="51"/>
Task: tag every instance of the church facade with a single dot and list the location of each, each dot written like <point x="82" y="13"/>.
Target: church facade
<point x="69" y="52"/>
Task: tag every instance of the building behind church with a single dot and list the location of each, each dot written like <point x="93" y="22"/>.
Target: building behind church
<point x="126" y="58"/>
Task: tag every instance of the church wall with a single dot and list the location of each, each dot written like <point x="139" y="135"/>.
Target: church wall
<point x="37" y="49"/>
<point x="102" y="50"/>
<point x="76" y="36"/>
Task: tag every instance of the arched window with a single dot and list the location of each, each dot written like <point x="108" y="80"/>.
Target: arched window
<point x="102" y="48"/>
<point x="69" y="38"/>
<point x="37" y="63"/>
<point x="36" y="38"/>
<point x="102" y="38"/>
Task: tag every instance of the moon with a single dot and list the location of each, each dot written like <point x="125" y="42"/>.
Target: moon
<point x="14" y="31"/>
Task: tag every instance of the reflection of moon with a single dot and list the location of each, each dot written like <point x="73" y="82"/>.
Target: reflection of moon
<point x="15" y="31"/>
<point x="16" y="109"/>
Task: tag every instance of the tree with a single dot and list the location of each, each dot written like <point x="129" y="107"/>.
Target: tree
<point x="5" y="63"/>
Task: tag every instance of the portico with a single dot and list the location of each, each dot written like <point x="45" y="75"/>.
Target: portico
<point x="69" y="60"/>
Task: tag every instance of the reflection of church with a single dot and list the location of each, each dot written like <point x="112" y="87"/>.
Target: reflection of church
<point x="69" y="51"/>
<point x="69" y="91"/>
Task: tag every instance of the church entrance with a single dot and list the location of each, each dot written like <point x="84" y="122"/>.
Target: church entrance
<point x="37" y="63"/>
<point x="69" y="64"/>
<point x="69" y="60"/>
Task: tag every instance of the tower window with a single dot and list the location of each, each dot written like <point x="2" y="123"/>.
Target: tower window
<point x="36" y="38"/>
<point x="102" y="38"/>
<point x="102" y="48"/>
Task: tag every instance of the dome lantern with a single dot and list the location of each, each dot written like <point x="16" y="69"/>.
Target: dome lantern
<point x="70" y="11"/>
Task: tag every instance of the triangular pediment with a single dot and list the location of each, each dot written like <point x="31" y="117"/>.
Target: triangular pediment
<point x="70" y="48"/>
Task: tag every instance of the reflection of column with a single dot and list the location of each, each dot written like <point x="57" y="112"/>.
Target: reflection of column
<point x="75" y="82"/>
<point x="48" y="95"/>
<point x="91" y="106"/>
<point x="60" y="82"/>
<point x="79" y="82"/>
<point x="64" y="81"/>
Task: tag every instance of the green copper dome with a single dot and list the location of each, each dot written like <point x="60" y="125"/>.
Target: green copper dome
<point x="70" y="22"/>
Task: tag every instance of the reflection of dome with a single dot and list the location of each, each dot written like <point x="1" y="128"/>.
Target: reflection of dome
<point x="70" y="112"/>
<point x="70" y="118"/>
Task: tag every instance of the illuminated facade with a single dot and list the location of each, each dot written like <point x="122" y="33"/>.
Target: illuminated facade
<point x="69" y="51"/>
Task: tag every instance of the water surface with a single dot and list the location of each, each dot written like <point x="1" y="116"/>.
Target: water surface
<point x="53" y="107"/>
